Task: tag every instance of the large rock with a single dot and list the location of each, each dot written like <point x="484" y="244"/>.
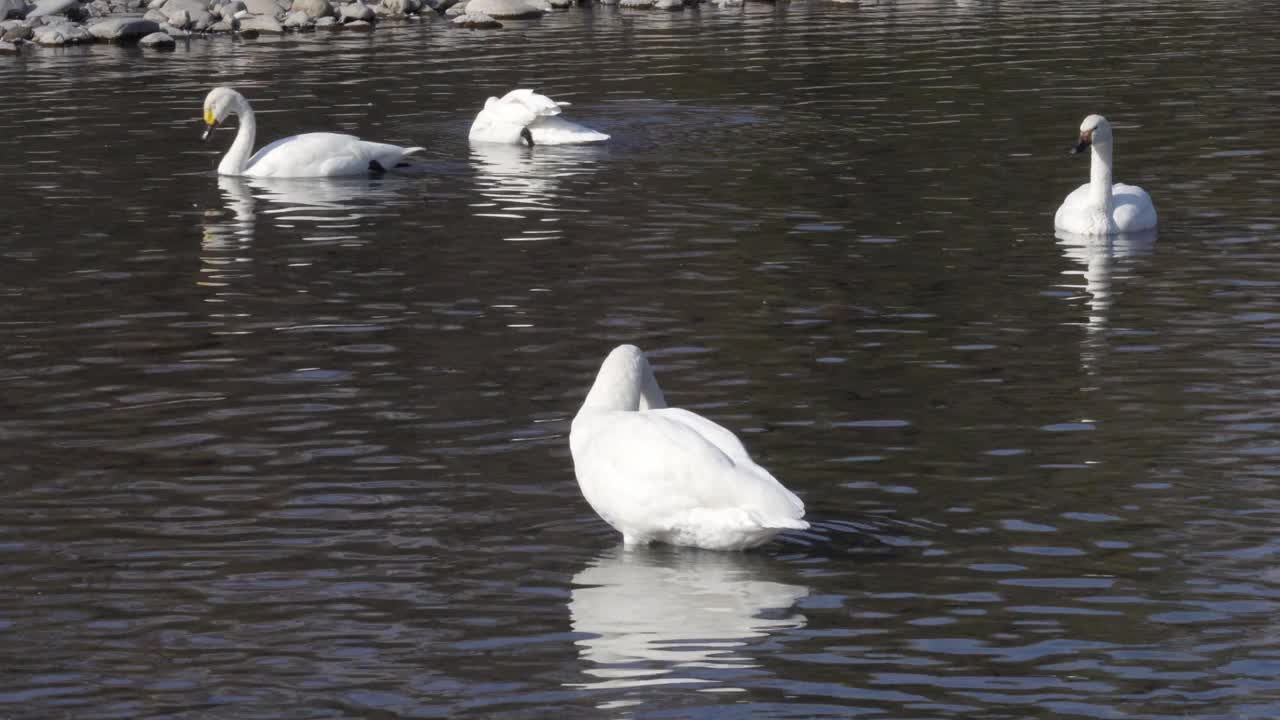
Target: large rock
<point x="228" y="10"/>
<point x="16" y="34"/>
<point x="13" y="8"/>
<point x="7" y="47"/>
<point x="63" y="33"/>
<point x="297" y="20"/>
<point x="313" y="8"/>
<point x="200" y="20"/>
<point x="355" y="11"/>
<point x="221" y="26"/>
<point x="263" y="7"/>
<point x="506" y="9"/>
<point x="156" y="16"/>
<point x="476" y="21"/>
<point x="123" y="29"/>
<point x="262" y="24"/>
<point x="399" y="7"/>
<point x="158" y="41"/>
<point x="54" y="7"/>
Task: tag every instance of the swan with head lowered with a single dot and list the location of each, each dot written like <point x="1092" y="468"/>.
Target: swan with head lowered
<point x="318" y="154"/>
<point x="660" y="474"/>
<point x="524" y="115"/>
<point x="1098" y="207"/>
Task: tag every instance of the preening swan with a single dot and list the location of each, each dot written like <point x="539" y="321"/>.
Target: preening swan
<point x="526" y="115"/>
<point x="1098" y="207"/>
<point x="669" y="475"/>
<point x="308" y="155"/>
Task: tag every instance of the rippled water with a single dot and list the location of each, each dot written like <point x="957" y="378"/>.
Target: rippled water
<point x="299" y="449"/>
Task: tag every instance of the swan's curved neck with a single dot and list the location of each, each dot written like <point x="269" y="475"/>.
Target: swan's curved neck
<point x="625" y="384"/>
<point x="1100" y="175"/>
<point x="237" y="158"/>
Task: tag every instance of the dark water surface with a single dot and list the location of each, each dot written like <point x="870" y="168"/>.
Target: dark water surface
<point x="299" y="449"/>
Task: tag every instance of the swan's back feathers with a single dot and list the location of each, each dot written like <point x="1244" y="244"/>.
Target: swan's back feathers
<point x="504" y="119"/>
<point x="539" y="105"/>
<point x="1132" y="211"/>
<point x="558" y="131"/>
<point x="657" y="473"/>
<point x="324" y="154"/>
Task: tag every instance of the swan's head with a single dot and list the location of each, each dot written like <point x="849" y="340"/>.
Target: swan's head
<point x="218" y="104"/>
<point x="1094" y="129"/>
<point x="625" y="382"/>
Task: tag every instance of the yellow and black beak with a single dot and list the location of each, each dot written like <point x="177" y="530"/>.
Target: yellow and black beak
<point x="211" y="124"/>
<point x="1086" y="139"/>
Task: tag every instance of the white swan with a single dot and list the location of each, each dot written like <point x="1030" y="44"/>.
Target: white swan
<point x="664" y="474"/>
<point x="1098" y="207"/>
<point x="526" y="115"/>
<point x="307" y="155"/>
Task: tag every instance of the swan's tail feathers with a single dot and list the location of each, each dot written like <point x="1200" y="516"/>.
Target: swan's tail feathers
<point x="413" y="150"/>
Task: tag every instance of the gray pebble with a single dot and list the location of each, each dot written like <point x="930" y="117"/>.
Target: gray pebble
<point x="158" y="41"/>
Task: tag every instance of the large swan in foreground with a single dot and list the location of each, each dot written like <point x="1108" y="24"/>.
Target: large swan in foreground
<point x="1098" y="207"/>
<point x="319" y="154"/>
<point x="669" y="475"/>
<point x="526" y="115"/>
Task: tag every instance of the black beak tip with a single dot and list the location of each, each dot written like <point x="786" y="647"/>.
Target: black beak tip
<point x="528" y="136"/>
<point x="1079" y="147"/>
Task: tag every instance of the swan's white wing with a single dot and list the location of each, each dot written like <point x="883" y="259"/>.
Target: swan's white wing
<point x="538" y="105"/>
<point x="558" y="131"/>
<point x="729" y="444"/>
<point x="1134" y="210"/>
<point x="644" y="472"/>
<point x="1070" y="208"/>
<point x="324" y="155"/>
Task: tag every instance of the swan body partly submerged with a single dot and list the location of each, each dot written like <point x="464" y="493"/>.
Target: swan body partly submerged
<point x="524" y="115"/>
<point x="669" y="475"/>
<point x="1098" y="207"/>
<point x="319" y="154"/>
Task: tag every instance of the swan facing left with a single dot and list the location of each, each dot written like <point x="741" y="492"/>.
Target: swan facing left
<point x="660" y="474"/>
<point x="318" y="154"/>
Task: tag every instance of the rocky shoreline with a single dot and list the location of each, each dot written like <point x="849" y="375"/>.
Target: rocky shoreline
<point x="160" y="24"/>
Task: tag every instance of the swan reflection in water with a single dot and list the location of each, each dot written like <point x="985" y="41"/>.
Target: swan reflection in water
<point x="321" y="210"/>
<point x="517" y="180"/>
<point x="661" y="616"/>
<point x="1101" y="256"/>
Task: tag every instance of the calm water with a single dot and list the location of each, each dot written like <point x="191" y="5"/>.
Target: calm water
<point x="299" y="449"/>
